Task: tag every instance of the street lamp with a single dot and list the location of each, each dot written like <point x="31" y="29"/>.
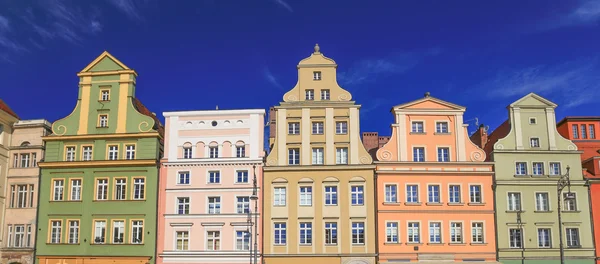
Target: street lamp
<point x="254" y="197"/>
<point x="520" y="226"/>
<point x="563" y="181"/>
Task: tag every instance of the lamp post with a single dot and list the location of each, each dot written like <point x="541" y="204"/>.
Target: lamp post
<point x="563" y="181"/>
<point x="520" y="226"/>
<point x="254" y="197"/>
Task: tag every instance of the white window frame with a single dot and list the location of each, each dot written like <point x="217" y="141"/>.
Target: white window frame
<point x="293" y="128"/>
<point x="130" y="152"/>
<point x="213" y="205"/>
<point x="440" y="126"/>
<point x="309" y="94"/>
<point x="318" y="156"/>
<point x="305" y="195"/>
<point x="341" y="155"/>
<point x="293" y="156"/>
<point x="215" y="237"/>
<point x="392" y="234"/>
<point x="341" y="127"/>
<point x="413" y="232"/>
<point x="545" y="207"/>
<point x="279" y="196"/>
<point x="76" y="189"/>
<point x="456" y="232"/>
<point x="318" y="128"/>
<point x="389" y="196"/>
<point x="512" y="205"/>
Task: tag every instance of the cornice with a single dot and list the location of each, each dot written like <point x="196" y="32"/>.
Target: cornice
<point x="216" y="112"/>
<point x="437" y="173"/>
<point x="102" y="136"/>
<point x="98" y="163"/>
<point x="435" y="163"/>
<point x="514" y="151"/>
<point x="313" y="168"/>
<point x="209" y="163"/>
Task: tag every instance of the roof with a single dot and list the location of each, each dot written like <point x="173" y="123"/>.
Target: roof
<point x="4" y="107"/>
<point x="428" y="97"/>
<point x="579" y="118"/>
<point x="143" y="110"/>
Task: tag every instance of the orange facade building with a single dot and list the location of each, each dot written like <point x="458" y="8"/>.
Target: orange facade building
<point x="582" y="130"/>
<point x="434" y="191"/>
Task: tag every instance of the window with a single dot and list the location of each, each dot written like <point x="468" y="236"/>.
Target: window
<point x="120" y="189"/>
<point x="104" y="95"/>
<point x="570" y="202"/>
<point x="22" y="196"/>
<point x="330" y="195"/>
<point x="29" y="238"/>
<point x="102" y="189"/>
<point x="532" y="121"/>
<point x="293" y="156"/>
<point x="306" y="195"/>
<point x="243" y="205"/>
<point x="330" y="233"/>
<point x="454" y="194"/>
<point x="592" y="132"/>
<point x="521" y="168"/>
<point x="139" y="185"/>
<point x="187" y="152"/>
<point x="13" y="195"/>
<point x="391" y="232"/>
<point x="341" y="155"/>
<point x="87" y="153"/>
<point x="103" y="121"/>
<point x="305" y="233"/>
<point x="341" y="127"/>
<point x="182" y="240"/>
<point x="113" y="152"/>
<point x="10" y="236"/>
<point x="76" y="190"/>
<point x="183" y="205"/>
<point x="183" y="177"/>
<point x="433" y="194"/>
<point x="538" y="168"/>
<point x="16" y="161"/>
<point x="317" y="156"/>
<point x="456" y="232"/>
<point x="74" y="232"/>
<point x="443" y="154"/>
<point x="358" y="233"/>
<point x="130" y="152"/>
<point x="137" y="231"/>
<point x="242" y="176"/>
<point x="441" y="127"/>
<point x="213" y="240"/>
<point x="325" y="94"/>
<point x="33" y="160"/>
<point x="242" y="240"/>
<point x="435" y="232"/>
<point x="477" y="232"/>
<point x="554" y="168"/>
<point x="19" y="236"/>
<point x="542" y="202"/>
<point x="213" y="152"/>
<point x="413" y="232"/>
<point x="25" y="160"/>
<point x="544" y="238"/>
<point x="357" y="195"/>
<point x="280" y="233"/>
<point x="583" y="132"/>
<point x="279" y="196"/>
<point x="516" y="238"/>
<point x="58" y="189"/>
<point x="99" y="232"/>
<point x="418" y="154"/>
<point x="534" y="142"/>
<point x="240" y="152"/>
<point x="70" y="156"/>
<point x="573" y="237"/>
<point x="55" y="231"/>
<point x="317" y="76"/>
<point x="214" y="205"/>
<point x="514" y="201"/>
<point x="317" y="128"/>
<point x="412" y="193"/>
<point x="475" y="194"/>
<point x="391" y="193"/>
<point x="418" y="127"/>
<point x="309" y="94"/>
<point x="214" y="177"/>
<point x="118" y="231"/>
<point x="294" y="128"/>
<point x="31" y="195"/>
<point x="575" y="132"/>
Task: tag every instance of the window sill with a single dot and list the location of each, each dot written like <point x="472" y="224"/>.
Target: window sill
<point x="435" y="204"/>
<point x="456" y="204"/>
<point x="61" y="201"/>
<point x="331" y="245"/>
<point x="413" y="244"/>
<point x="476" y="204"/>
<point x="279" y="245"/>
<point x="573" y="246"/>
<point x="435" y="244"/>
<point x="543" y="212"/>
<point x="412" y="204"/>
<point x="391" y="203"/>
<point x="114" y="200"/>
<point x="457" y="244"/>
<point x="240" y="183"/>
<point x="358" y="204"/>
<point x="576" y="211"/>
<point x="62" y="244"/>
<point x="112" y="244"/>
<point x="331" y="205"/>
<point x="305" y="245"/>
<point x="442" y="134"/>
<point x="514" y="212"/>
<point x="418" y="133"/>
<point x="358" y="245"/>
<point x="392" y="243"/>
<point x="101" y="127"/>
<point x="305" y="205"/>
<point x="104" y="101"/>
<point x="478" y="244"/>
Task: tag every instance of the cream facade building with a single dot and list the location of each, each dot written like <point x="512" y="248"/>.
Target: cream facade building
<point x="318" y="179"/>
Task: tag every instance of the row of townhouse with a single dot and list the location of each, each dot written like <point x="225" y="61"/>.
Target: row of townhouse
<point x="109" y="184"/>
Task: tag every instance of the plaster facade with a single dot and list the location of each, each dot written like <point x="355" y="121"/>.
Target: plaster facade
<point x="99" y="179"/>
<point x="529" y="156"/>
<point x="206" y="184"/>
<point x="7" y="119"/>
<point x="318" y="179"/>
<point x="434" y="191"/>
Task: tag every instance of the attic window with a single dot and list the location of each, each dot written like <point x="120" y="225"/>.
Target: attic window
<point x="532" y="121"/>
<point x="317" y="76"/>
<point x="214" y="123"/>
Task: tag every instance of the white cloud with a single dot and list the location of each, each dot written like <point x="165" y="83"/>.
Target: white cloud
<point x="284" y="4"/>
<point x="271" y="78"/>
<point x="128" y="7"/>
<point x="587" y="12"/>
<point x="4" y="23"/>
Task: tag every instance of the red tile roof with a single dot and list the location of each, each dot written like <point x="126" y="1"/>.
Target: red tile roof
<point x="4" y="107"/>
<point x="143" y="110"/>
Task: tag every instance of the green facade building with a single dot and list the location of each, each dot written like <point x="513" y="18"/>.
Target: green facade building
<point x="99" y="177"/>
<point x="530" y="156"/>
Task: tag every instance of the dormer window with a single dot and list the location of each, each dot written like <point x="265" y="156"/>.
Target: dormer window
<point x="310" y="95"/>
<point x="325" y="95"/>
<point x="317" y="76"/>
<point x="532" y="121"/>
<point x="105" y="95"/>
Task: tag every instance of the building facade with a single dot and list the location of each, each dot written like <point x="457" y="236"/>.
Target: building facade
<point x="530" y="156"/>
<point x="26" y="150"/>
<point x="7" y="119"/>
<point x="318" y="180"/>
<point x="582" y="131"/>
<point x="99" y="178"/>
<point x="434" y="191"/>
<point x="211" y="163"/>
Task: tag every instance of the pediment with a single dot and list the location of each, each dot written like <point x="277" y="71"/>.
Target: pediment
<point x="430" y="103"/>
<point x="279" y="180"/>
<point x="105" y="62"/>
<point x="533" y="100"/>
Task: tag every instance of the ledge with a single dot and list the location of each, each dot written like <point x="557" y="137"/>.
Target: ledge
<point x="97" y="163"/>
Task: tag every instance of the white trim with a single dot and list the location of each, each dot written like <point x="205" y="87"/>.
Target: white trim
<point x="439" y="185"/>
<point x="419" y="196"/>
<point x="215" y="112"/>
<point x="429" y="222"/>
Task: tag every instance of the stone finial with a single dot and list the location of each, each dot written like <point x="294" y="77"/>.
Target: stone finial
<point x="217" y="108"/>
<point x="427" y="94"/>
<point x="317" y="49"/>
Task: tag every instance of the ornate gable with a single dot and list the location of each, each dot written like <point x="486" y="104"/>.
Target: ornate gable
<point x="429" y="103"/>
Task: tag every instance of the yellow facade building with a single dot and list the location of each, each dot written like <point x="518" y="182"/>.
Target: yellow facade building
<point x="318" y="181"/>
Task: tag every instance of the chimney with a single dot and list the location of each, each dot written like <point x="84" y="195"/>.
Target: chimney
<point x="383" y="140"/>
<point x="272" y="126"/>
<point x="480" y="137"/>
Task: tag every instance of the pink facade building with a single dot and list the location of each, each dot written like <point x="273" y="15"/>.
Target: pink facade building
<point x="207" y="194"/>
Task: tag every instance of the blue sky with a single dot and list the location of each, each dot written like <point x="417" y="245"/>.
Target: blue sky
<point x="194" y="55"/>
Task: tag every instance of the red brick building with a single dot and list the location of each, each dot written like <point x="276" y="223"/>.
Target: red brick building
<point x="583" y="131"/>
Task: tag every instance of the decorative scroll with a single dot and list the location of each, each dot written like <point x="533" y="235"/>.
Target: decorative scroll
<point x="385" y="155"/>
<point x="344" y="97"/>
<point x="292" y="98"/>
<point x="498" y="146"/>
<point x="366" y="160"/>
<point x="271" y="162"/>
<point x="58" y="130"/>
<point x="571" y="147"/>
<point x="476" y="156"/>
<point x="146" y="125"/>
